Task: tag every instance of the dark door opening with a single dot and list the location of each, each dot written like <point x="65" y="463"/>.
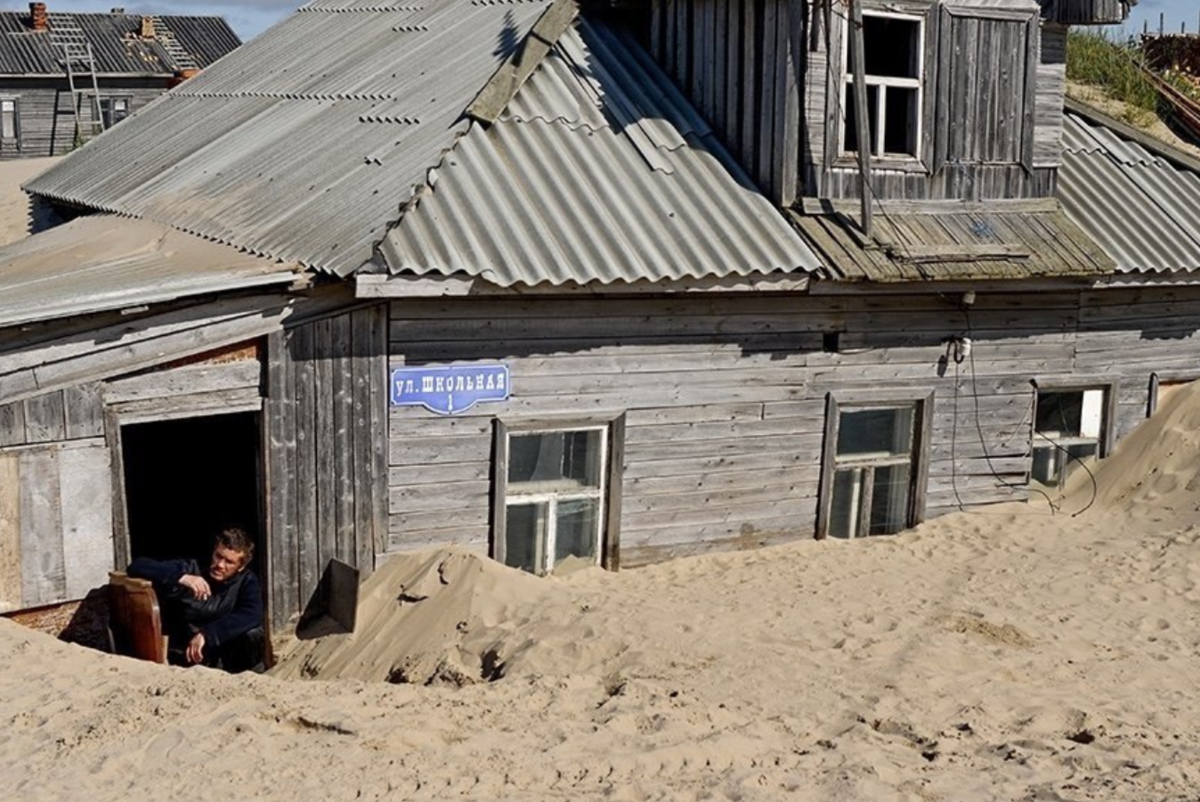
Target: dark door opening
<point x="187" y="479"/>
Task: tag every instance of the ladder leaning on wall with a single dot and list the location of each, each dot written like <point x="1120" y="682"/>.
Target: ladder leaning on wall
<point x="79" y="62"/>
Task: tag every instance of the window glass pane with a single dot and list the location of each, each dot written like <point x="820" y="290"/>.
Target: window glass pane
<point x="900" y="125"/>
<point x="890" y="499"/>
<point x="555" y="460"/>
<point x="851" y="116"/>
<point x="525" y="536"/>
<point x="847" y="502"/>
<point x="1060" y="413"/>
<point x="1052" y="463"/>
<point x="891" y="46"/>
<point x="578" y="530"/>
<point x="876" y="432"/>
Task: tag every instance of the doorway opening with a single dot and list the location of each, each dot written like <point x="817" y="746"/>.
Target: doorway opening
<point x="187" y="479"/>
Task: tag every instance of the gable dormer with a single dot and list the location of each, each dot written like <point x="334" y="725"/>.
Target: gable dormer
<point x="964" y="97"/>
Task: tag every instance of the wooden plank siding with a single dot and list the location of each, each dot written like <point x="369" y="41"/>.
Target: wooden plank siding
<point x="45" y="120"/>
<point x="56" y="533"/>
<point x="724" y="398"/>
<point x="325" y="432"/>
<point x="767" y="75"/>
<point x="75" y="413"/>
<point x="741" y="63"/>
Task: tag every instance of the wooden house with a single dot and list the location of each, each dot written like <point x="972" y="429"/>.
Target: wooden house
<point x="65" y="77"/>
<point x="588" y="284"/>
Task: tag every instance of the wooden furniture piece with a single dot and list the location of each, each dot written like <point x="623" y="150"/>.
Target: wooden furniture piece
<point x="134" y="619"/>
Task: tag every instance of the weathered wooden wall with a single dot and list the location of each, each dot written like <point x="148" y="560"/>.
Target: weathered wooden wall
<point x="725" y="398"/>
<point x="326" y="453"/>
<point x="740" y="62"/>
<point x="47" y="122"/>
<point x="768" y="75"/>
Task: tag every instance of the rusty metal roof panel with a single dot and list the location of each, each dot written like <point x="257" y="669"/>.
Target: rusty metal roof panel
<point x="956" y="242"/>
<point x="598" y="171"/>
<point x="117" y="44"/>
<point x="1135" y="203"/>
<point x="100" y="263"/>
<point x="303" y="144"/>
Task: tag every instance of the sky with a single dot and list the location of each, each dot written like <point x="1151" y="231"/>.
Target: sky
<point x="251" y="17"/>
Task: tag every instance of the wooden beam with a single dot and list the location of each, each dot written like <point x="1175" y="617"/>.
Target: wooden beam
<point x="379" y="286"/>
<point x="503" y="86"/>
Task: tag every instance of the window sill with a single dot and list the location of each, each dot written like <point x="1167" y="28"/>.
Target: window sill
<point x="893" y="163"/>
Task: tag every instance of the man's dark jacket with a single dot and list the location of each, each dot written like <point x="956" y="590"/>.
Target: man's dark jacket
<point x="234" y="608"/>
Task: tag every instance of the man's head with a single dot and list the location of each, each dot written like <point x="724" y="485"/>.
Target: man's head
<point x="232" y="552"/>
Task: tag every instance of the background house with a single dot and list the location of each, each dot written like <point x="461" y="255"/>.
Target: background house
<point x="643" y="225"/>
<point x="44" y="111"/>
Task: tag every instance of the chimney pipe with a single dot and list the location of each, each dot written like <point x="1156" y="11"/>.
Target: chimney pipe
<point x="39" y="18"/>
<point x="148" y="31"/>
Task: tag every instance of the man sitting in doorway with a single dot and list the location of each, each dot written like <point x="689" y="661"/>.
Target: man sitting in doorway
<point x="214" y="617"/>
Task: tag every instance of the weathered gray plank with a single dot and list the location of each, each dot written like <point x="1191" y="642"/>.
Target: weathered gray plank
<point x="12" y="424"/>
<point x="43" y="577"/>
<point x="84" y="411"/>
<point x="185" y="380"/>
<point x="10" y="531"/>
<point x="85" y="476"/>
<point x="45" y="418"/>
<point x="279" y="419"/>
<point x="307" y="443"/>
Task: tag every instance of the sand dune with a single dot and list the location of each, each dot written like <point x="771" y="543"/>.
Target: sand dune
<point x="1016" y="653"/>
<point x="15" y="210"/>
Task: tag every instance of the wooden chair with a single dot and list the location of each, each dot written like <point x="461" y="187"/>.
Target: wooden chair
<point x="134" y="619"/>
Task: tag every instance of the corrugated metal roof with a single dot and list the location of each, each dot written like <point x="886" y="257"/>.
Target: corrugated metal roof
<point x="304" y="143"/>
<point x="995" y="240"/>
<point x="1144" y="211"/>
<point x="598" y="171"/>
<point x="116" y="43"/>
<point x="100" y="262"/>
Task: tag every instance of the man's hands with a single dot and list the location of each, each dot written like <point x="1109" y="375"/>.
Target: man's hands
<point x="195" y="649"/>
<point x="198" y="585"/>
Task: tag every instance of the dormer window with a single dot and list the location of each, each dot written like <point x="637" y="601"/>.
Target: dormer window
<point x="894" y="46"/>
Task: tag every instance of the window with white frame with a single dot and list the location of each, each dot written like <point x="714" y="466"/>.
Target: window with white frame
<point x="10" y="121"/>
<point x="894" y="57"/>
<point x="874" y="468"/>
<point x="1069" y="427"/>
<point x="113" y="110"/>
<point x="552" y="496"/>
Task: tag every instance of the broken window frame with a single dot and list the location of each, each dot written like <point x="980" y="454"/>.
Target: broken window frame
<point x="918" y="459"/>
<point x="883" y="84"/>
<point x="607" y="494"/>
<point x="1061" y="444"/>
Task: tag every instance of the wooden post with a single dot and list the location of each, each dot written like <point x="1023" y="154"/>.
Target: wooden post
<point x="861" y="113"/>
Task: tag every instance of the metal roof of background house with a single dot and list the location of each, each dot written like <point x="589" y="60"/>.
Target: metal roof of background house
<point x="304" y="143"/>
<point x="598" y="171"/>
<point x="116" y="43"/>
<point x="1142" y="209"/>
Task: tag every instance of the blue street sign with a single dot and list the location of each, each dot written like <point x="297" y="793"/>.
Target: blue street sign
<point x="449" y="390"/>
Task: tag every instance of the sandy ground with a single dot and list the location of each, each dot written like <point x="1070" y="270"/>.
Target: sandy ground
<point x="14" y="204"/>
<point x="1020" y="653"/>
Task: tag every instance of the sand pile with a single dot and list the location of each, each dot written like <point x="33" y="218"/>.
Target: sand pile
<point x="1010" y="653"/>
<point x="1157" y="465"/>
<point x="16" y="212"/>
<point x="447" y="616"/>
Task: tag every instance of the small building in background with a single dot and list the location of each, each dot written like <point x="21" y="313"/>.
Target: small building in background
<point x="64" y="78"/>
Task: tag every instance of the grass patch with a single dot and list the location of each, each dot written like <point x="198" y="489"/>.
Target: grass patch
<point x="1099" y="60"/>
